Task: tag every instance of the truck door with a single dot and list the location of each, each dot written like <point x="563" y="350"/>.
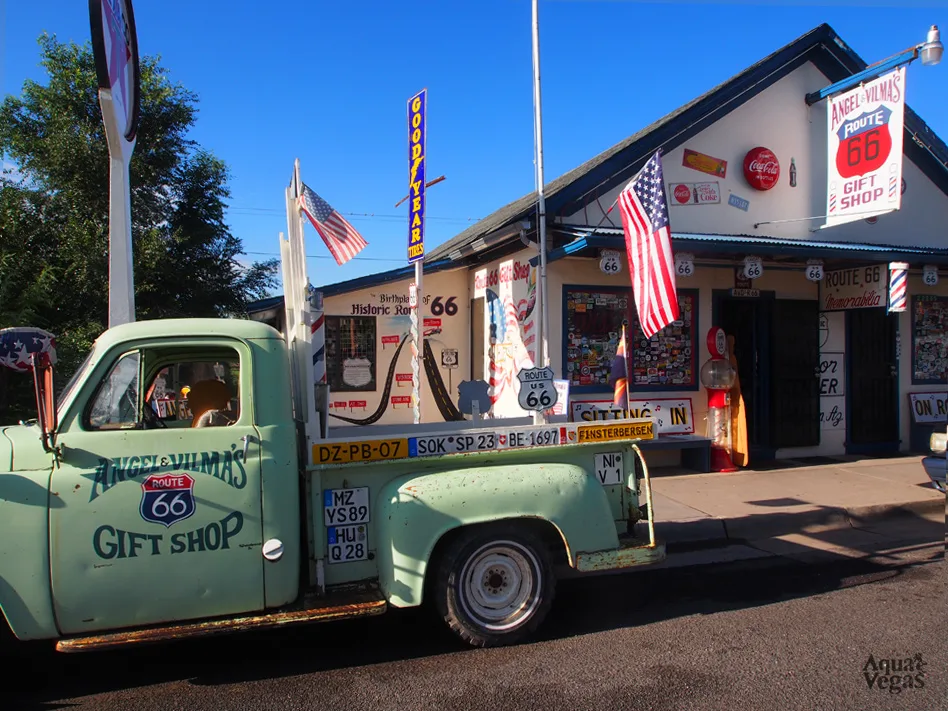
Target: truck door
<point x="160" y="481"/>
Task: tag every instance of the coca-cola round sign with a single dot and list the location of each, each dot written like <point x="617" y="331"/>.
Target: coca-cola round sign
<point x="682" y="193"/>
<point x="761" y="168"/>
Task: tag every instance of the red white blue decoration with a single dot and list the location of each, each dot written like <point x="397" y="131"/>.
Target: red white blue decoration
<point x="18" y="345"/>
<point x="167" y="498"/>
<point x="898" y="281"/>
<point x="864" y="143"/>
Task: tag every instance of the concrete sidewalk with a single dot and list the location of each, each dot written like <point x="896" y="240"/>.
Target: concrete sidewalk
<point x="857" y="506"/>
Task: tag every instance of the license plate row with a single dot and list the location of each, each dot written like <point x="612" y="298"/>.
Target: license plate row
<point x="375" y="450"/>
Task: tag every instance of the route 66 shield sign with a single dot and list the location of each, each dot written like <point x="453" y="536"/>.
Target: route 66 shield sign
<point x="537" y="391"/>
<point x="167" y="498"/>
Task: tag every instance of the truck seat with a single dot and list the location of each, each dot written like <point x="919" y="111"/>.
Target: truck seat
<point x="208" y="399"/>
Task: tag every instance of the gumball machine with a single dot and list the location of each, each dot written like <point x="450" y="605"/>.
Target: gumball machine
<point x="717" y="375"/>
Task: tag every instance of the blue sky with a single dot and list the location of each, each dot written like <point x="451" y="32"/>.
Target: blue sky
<point x="327" y="83"/>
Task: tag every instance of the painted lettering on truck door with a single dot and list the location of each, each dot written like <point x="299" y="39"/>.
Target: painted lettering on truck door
<point x="160" y="479"/>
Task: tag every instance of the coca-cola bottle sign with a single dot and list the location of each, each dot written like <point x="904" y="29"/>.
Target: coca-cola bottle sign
<point x="761" y="168"/>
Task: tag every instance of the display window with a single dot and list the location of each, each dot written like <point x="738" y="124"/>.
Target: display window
<point x="929" y="339"/>
<point x="592" y="325"/>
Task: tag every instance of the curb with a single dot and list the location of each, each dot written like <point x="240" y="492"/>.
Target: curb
<point x="695" y="534"/>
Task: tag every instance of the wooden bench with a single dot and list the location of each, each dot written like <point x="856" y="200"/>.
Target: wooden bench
<point x="695" y="450"/>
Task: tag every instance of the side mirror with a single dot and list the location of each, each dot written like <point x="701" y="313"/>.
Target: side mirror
<point x="45" y="401"/>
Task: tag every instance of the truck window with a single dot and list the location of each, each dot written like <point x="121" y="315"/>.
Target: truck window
<point x="198" y="392"/>
<point x="180" y="390"/>
<point x="115" y="405"/>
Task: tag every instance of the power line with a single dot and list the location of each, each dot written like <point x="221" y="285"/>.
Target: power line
<point x="326" y="256"/>
<point x="272" y="210"/>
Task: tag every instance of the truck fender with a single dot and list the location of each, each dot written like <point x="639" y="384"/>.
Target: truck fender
<point x="415" y="511"/>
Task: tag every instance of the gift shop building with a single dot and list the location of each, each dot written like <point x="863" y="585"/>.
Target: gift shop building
<point x="825" y="368"/>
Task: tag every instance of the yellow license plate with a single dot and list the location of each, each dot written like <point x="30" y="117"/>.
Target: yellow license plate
<point x="375" y="450"/>
<point x="606" y="433"/>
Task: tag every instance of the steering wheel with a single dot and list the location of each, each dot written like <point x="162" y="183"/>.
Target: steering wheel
<point x="151" y="417"/>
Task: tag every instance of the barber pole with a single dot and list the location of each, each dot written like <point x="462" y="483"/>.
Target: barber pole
<point x="898" y="279"/>
<point x="416" y="334"/>
<point x="318" y="333"/>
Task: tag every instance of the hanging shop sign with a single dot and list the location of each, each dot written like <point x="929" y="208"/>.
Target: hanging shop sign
<point x="417" y="153"/>
<point x="684" y="264"/>
<point x="860" y="288"/>
<point x="706" y="164"/>
<point x="761" y="168"/>
<point x="695" y="193"/>
<point x="864" y="143"/>
<point x="930" y="275"/>
<point x="814" y="270"/>
<point x="609" y="262"/>
<point x="753" y="267"/>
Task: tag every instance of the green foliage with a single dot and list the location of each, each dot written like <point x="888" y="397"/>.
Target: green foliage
<point x="54" y="214"/>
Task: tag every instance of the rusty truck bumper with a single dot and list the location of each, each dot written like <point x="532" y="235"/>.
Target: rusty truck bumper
<point x="627" y="555"/>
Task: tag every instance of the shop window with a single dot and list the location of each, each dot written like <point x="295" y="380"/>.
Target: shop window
<point x="351" y="353"/>
<point x="593" y="321"/>
<point x="929" y="339"/>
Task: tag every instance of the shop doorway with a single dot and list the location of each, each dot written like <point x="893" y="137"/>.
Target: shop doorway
<point x="776" y="342"/>
<point x="873" y="381"/>
<point x="746" y="320"/>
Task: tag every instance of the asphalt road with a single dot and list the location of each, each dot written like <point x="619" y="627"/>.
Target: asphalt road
<point x="768" y="634"/>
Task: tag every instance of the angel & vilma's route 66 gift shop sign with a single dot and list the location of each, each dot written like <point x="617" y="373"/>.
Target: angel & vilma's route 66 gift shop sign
<point x="864" y="140"/>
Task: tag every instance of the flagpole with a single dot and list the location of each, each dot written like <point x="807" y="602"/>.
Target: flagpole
<point x="544" y="325"/>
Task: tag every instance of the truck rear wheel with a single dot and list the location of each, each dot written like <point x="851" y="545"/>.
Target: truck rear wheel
<point x="495" y="584"/>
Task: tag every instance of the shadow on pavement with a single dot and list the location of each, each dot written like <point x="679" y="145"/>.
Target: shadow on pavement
<point x="42" y="679"/>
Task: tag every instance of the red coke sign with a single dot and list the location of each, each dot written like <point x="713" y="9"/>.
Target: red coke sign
<point x="761" y="168"/>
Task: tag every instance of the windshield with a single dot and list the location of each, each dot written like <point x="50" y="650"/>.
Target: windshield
<point x="76" y="377"/>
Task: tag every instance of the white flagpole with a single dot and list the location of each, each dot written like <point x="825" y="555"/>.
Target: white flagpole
<point x="544" y="324"/>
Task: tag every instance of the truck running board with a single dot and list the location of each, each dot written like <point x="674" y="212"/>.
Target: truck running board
<point x="338" y="606"/>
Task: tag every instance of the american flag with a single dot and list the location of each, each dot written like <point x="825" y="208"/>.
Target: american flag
<point x="17" y="345"/>
<point x="648" y="246"/>
<point x="342" y="239"/>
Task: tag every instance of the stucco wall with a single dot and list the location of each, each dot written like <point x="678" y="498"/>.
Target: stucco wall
<point x="779" y="119"/>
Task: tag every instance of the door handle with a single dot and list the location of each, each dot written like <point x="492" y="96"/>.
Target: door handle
<point x="247" y="439"/>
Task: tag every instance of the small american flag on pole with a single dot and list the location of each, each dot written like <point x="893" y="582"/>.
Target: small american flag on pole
<point x="342" y="239"/>
<point x="648" y="247"/>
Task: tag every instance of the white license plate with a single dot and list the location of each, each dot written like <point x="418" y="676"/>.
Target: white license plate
<point x="347" y="543"/>
<point x="451" y="444"/>
<point x="530" y="437"/>
<point x="345" y="506"/>
<point x="609" y="468"/>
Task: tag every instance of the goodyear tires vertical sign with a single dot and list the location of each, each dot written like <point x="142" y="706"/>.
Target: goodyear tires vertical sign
<point x="417" y="111"/>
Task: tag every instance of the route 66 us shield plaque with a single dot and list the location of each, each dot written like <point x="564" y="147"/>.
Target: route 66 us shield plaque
<point x="167" y="498"/>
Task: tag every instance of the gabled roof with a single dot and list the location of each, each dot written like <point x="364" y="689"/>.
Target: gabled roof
<point x="618" y="164"/>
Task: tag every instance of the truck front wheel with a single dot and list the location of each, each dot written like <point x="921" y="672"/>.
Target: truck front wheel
<point x="495" y="585"/>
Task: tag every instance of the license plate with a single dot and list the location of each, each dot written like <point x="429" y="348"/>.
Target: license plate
<point x="532" y="437"/>
<point x="451" y="444"/>
<point x="369" y="451"/>
<point x="610" y="432"/>
<point x="609" y="468"/>
<point x="347" y="543"/>
<point x="346" y="506"/>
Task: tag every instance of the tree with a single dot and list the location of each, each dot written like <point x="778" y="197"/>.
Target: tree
<point x="54" y="213"/>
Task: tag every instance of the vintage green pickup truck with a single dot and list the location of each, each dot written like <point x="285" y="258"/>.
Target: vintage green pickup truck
<point x="172" y="491"/>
